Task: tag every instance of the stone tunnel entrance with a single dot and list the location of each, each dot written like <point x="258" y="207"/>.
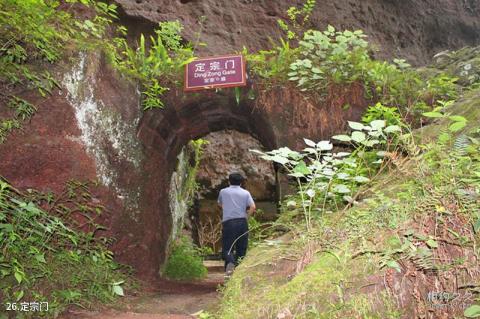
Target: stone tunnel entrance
<point x="224" y="152"/>
<point x="100" y="133"/>
<point x="274" y="118"/>
<point x="164" y="133"/>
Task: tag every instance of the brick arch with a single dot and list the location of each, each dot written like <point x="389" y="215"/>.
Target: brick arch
<point x="163" y="134"/>
<point x="277" y="117"/>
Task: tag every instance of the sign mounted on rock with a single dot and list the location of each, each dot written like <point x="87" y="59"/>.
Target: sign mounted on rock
<point x="215" y="72"/>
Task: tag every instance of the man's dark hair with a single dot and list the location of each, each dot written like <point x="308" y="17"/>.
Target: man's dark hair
<point x="235" y="179"/>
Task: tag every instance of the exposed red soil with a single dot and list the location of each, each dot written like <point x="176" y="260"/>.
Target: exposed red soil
<point x="161" y="299"/>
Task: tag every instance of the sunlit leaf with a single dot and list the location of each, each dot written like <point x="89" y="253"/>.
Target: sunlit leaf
<point x="433" y="114"/>
<point x="392" y="128"/>
<point x="457" y="118"/>
<point x="393" y="264"/>
<point x="343" y="138"/>
<point x="431" y="243"/>
<point x="279" y="159"/>
<point x="118" y="290"/>
<point x="457" y="126"/>
<point x="361" y="179"/>
<point x="325" y="145"/>
<point x="356" y="126"/>
<point x="302" y="168"/>
<point x="358" y="136"/>
<point x="472" y="311"/>
<point x="341" y="154"/>
<point x="310" y="193"/>
<point x="342" y="189"/>
<point x="378" y="124"/>
<point x="18" y="276"/>
<point x="309" y="142"/>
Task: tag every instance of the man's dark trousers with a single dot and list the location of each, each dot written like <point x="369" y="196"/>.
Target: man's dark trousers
<point x="234" y="232"/>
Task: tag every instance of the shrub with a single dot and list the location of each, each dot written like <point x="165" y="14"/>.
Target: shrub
<point x="326" y="179"/>
<point x="44" y="255"/>
<point x="164" y="58"/>
<point x="298" y="18"/>
<point x="381" y="112"/>
<point x="184" y="263"/>
<point x="273" y="65"/>
<point x="342" y="57"/>
<point x="330" y="56"/>
<point x="32" y="34"/>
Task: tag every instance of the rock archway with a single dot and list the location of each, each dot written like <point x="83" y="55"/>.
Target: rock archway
<point x="163" y="134"/>
<point x="279" y="117"/>
<point x="93" y="129"/>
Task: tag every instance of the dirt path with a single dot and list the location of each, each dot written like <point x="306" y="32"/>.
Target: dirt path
<point x="164" y="299"/>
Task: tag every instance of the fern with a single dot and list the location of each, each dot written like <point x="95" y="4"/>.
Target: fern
<point x="461" y="144"/>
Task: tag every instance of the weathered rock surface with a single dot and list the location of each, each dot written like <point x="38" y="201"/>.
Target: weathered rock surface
<point x="227" y="152"/>
<point x="463" y="64"/>
<point x="91" y="131"/>
<point x="415" y="30"/>
<point x="93" y="128"/>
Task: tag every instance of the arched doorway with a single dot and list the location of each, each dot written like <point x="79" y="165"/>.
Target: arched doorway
<point x="163" y="134"/>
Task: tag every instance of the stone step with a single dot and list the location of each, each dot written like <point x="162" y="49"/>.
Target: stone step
<point x="214" y="265"/>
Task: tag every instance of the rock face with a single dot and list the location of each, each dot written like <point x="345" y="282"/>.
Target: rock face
<point x="410" y="29"/>
<point x="228" y="151"/>
<point x="93" y="128"/>
<point x="463" y="64"/>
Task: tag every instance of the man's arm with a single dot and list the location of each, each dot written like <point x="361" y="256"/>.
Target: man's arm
<point x="251" y="208"/>
<point x="219" y="200"/>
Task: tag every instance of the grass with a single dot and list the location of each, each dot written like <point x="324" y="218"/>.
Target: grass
<point x="47" y="258"/>
<point x="416" y="219"/>
<point x="185" y="263"/>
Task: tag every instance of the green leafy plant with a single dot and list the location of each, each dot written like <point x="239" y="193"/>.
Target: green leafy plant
<point x="154" y="65"/>
<point x="45" y="255"/>
<point x="341" y="57"/>
<point x="297" y="19"/>
<point x="457" y="122"/>
<point x="442" y="87"/>
<point x="472" y="311"/>
<point x="33" y="34"/>
<point x="323" y="176"/>
<point x="330" y="56"/>
<point x="379" y="112"/>
<point x="184" y="263"/>
<point x="272" y="65"/>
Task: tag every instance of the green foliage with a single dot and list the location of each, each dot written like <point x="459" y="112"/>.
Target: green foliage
<point x="406" y="220"/>
<point x="330" y="56"/>
<point x="156" y="64"/>
<point x="190" y="185"/>
<point x="472" y="311"/>
<point x="185" y="263"/>
<point x="457" y="122"/>
<point x="272" y="66"/>
<point x="325" y="179"/>
<point x="44" y="254"/>
<point x="297" y="20"/>
<point x="379" y="112"/>
<point x="34" y="33"/>
<point x="442" y="87"/>
<point x="342" y="57"/>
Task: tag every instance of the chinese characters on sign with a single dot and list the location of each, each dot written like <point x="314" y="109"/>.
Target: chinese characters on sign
<point x="33" y="306"/>
<point x="207" y="73"/>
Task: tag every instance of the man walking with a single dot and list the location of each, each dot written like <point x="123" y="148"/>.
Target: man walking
<point x="235" y="203"/>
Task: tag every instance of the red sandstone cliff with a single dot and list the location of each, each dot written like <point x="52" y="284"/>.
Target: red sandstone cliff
<point x="412" y="29"/>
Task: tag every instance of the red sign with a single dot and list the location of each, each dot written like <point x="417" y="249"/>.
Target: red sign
<point x="215" y="72"/>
